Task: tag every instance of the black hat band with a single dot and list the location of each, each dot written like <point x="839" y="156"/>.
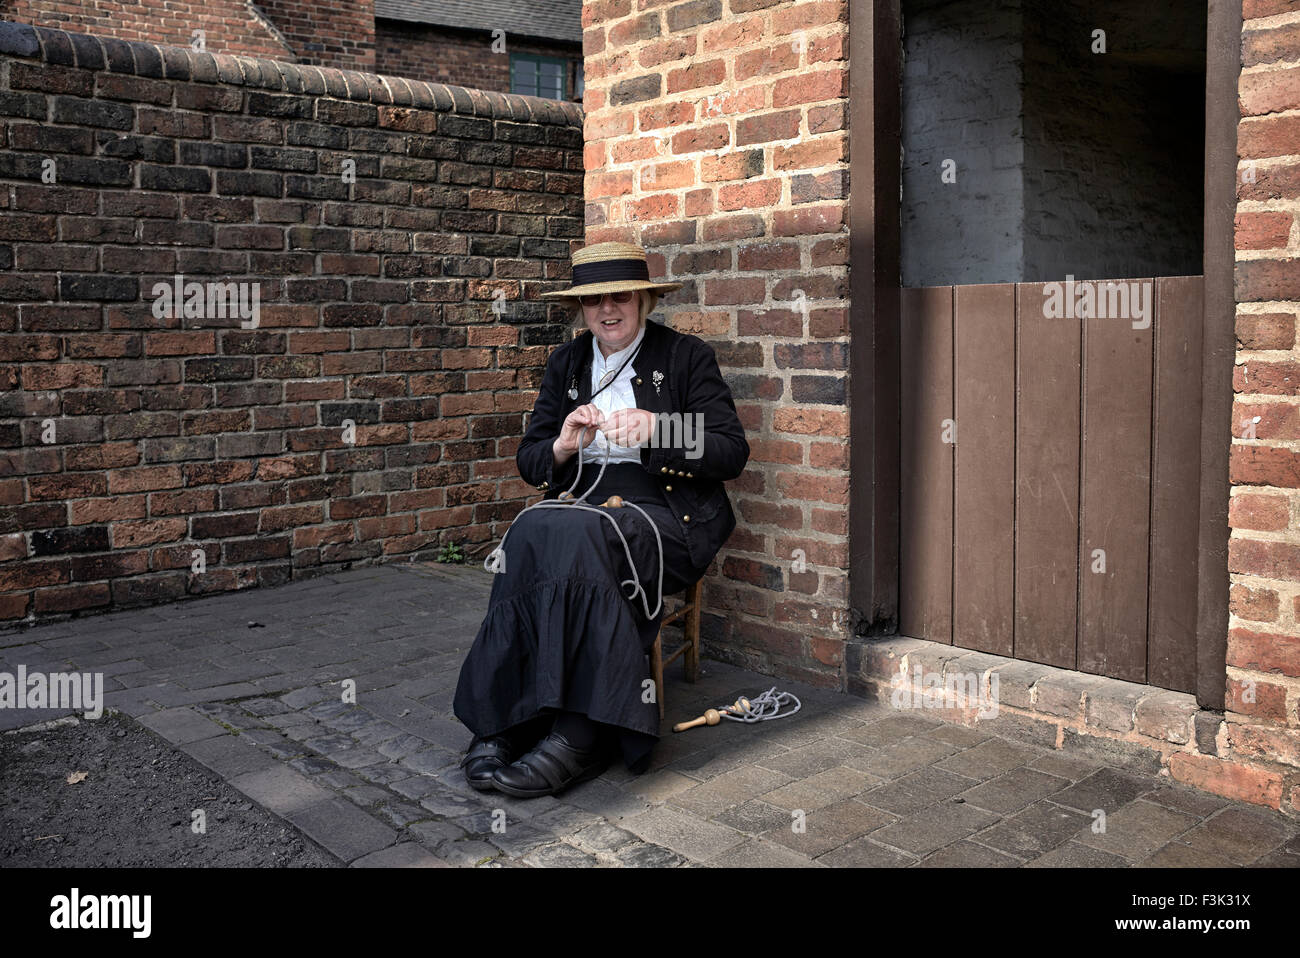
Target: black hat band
<point x="609" y="271"/>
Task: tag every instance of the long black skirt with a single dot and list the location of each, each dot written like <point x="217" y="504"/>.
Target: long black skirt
<point x="561" y="632"/>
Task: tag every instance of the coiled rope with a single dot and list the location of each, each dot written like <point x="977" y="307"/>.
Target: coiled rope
<point x="763" y="707"/>
<point x="495" y="561"/>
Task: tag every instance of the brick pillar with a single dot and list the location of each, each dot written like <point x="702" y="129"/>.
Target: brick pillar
<point x="715" y="136"/>
<point x="1263" y="707"/>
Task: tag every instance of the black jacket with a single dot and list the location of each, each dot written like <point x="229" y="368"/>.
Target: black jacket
<point x="691" y="383"/>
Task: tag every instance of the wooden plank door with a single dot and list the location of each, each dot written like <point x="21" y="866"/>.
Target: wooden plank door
<point x="1060" y="526"/>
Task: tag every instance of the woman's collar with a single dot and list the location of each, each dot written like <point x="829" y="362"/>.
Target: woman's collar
<point x="613" y="359"/>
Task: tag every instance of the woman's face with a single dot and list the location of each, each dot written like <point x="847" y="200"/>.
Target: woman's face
<point x="614" y="324"/>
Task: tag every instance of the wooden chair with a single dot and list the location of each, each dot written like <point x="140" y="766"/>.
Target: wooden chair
<point x="690" y="648"/>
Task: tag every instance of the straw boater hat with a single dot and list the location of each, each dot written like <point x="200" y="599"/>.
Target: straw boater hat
<point x="611" y="268"/>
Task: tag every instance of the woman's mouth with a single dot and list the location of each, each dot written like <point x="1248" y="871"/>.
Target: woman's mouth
<point x="610" y="322"/>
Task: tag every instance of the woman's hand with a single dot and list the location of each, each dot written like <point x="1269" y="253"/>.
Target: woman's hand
<point x="629" y="427"/>
<point x="578" y="429"/>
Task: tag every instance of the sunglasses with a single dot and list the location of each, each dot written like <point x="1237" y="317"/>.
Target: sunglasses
<point x="622" y="297"/>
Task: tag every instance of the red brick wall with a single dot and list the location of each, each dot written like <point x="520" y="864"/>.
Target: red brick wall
<point x="456" y="56"/>
<point x="228" y="25"/>
<point x="715" y="136"/>
<point x="336" y="33"/>
<point x="1264" y="551"/>
<point x="129" y="440"/>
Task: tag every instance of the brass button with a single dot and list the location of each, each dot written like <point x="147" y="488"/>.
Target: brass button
<point x="543" y="485"/>
<point x="638" y="380"/>
<point x="690" y="475"/>
<point x="686" y="518"/>
<point x="668" y="488"/>
<point x="663" y="468"/>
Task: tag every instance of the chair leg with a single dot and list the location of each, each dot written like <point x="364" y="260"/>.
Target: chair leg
<point x="691" y="631"/>
<point x="657" y="670"/>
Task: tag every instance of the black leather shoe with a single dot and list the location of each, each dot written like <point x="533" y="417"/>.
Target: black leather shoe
<point x="484" y="757"/>
<point x="552" y="766"/>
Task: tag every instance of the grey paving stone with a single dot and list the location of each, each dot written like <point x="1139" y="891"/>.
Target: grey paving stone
<point x="1072" y="767"/>
<point x="967" y="854"/>
<point x="896" y="760"/>
<point x="601" y="837"/>
<point x="604" y="799"/>
<point x="280" y="789"/>
<point x="449" y="804"/>
<point x="760" y="853"/>
<point x="182" y="725"/>
<point x="417" y="786"/>
<point x="1107" y="789"/>
<point x="1184" y="798"/>
<point x="382" y="773"/>
<point x="831" y="827"/>
<point x="655" y="786"/>
<point x="959" y="735"/>
<point x="399" y="814"/>
<point x="375" y="732"/>
<point x="566" y="819"/>
<point x="639" y="854"/>
<point x="989" y="759"/>
<point x="228" y="756"/>
<point x="864" y="853"/>
<point x="467" y="851"/>
<point x="819" y="790"/>
<point x="400" y="747"/>
<point x="1137" y="830"/>
<point x="367" y="795"/>
<point x="559" y="856"/>
<point x="405" y="855"/>
<point x="1013" y="791"/>
<point x="312" y="765"/>
<point x="356" y="758"/>
<point x="1277" y="859"/>
<point x="1178" y="855"/>
<point x="727" y="790"/>
<point x="350" y="721"/>
<point x="518" y="838"/>
<point x="805" y="760"/>
<point x="431" y="761"/>
<point x="331" y="742"/>
<point x="434" y="833"/>
<point x="1077" y="855"/>
<point x="265" y="707"/>
<point x="1238" y="834"/>
<point x="891" y="729"/>
<point x="755" y="817"/>
<point x="1034" y="830"/>
<point x="934" y="827"/>
<point x="916" y="790"/>
<point x="342" y="828"/>
<point x="683" y="833"/>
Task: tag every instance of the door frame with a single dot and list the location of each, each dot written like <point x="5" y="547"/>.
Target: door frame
<point x="875" y="121"/>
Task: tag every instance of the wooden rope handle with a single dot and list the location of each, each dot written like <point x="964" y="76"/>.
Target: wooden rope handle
<point x="711" y="717"/>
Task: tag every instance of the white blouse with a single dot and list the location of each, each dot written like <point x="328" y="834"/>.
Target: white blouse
<point x="618" y="395"/>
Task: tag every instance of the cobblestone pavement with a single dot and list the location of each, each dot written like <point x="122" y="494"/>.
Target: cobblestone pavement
<point x="249" y="684"/>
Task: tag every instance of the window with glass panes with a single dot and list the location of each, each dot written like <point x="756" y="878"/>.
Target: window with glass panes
<point x="537" y="76"/>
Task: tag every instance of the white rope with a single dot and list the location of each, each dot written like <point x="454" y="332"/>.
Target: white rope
<point x="763" y="707"/>
<point x="495" y="561"/>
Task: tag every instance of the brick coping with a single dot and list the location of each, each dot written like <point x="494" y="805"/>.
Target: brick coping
<point x="1157" y="729"/>
<point x="135" y="58"/>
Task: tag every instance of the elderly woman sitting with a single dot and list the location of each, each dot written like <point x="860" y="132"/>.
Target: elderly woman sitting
<point x="553" y="687"/>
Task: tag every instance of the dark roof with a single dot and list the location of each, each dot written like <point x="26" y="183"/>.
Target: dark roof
<point x="552" y="19"/>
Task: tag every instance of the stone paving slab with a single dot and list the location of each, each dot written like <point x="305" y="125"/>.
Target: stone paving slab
<point x="252" y="685"/>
